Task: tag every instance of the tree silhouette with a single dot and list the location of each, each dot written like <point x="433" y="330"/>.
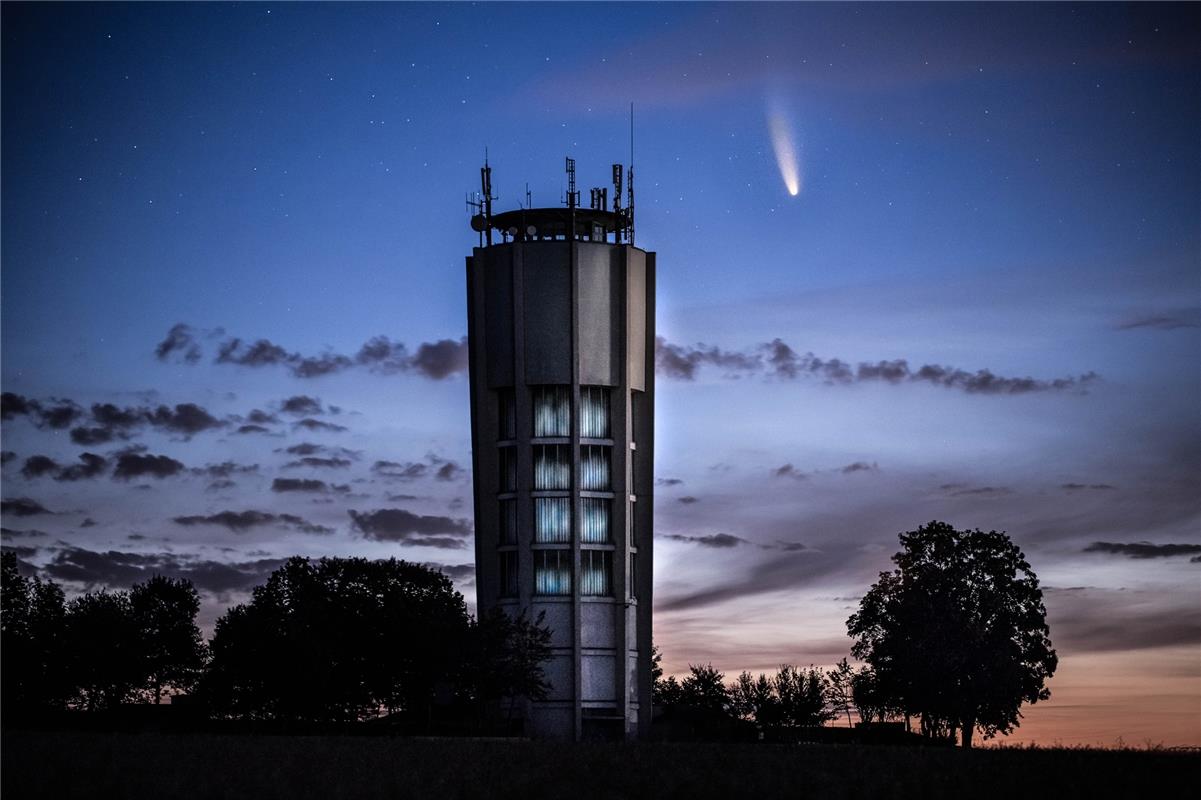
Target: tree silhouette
<point x="840" y="679"/>
<point x="508" y="653"/>
<point x="103" y="651"/>
<point x="755" y="699"/>
<point x="32" y="634"/>
<point x="957" y="632"/>
<point x="802" y="696"/>
<point x="164" y="612"/>
<point x="704" y="690"/>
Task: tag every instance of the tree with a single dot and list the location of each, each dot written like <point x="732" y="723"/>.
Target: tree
<point x="840" y="679"/>
<point x="957" y="633"/>
<point x="508" y="653"/>
<point x="869" y="702"/>
<point x="802" y="696"/>
<point x="343" y="639"/>
<point x="755" y="699"/>
<point x="103" y="650"/>
<point x="164" y="612"/>
<point x="32" y="628"/>
<point x="704" y="690"/>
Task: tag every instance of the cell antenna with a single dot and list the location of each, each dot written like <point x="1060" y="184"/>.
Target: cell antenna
<point x="573" y="197"/>
<point x="630" y="180"/>
<point x="487" y="198"/>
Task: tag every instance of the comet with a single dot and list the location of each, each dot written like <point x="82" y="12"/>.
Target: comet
<point x="786" y="147"/>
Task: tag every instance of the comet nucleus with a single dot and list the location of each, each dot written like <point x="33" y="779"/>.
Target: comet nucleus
<point x="785" y="145"/>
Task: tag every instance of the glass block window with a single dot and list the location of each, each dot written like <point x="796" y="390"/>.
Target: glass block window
<point x="596" y="573"/>
<point x="594" y="520"/>
<point x="594" y="467"/>
<point x="508" y="469"/>
<point x="508" y="574"/>
<point x="552" y="520"/>
<point x="508" y="521"/>
<point x="552" y="466"/>
<point x="594" y="412"/>
<point x="506" y="414"/>
<point x="552" y="572"/>
<point x="552" y="410"/>
<point x="633" y="576"/>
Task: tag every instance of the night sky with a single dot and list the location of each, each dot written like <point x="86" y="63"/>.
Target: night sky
<point x="234" y="302"/>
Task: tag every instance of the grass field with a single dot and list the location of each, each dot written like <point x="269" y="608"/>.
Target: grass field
<point x="92" y="765"/>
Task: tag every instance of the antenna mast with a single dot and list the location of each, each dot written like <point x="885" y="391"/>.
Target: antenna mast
<point x="630" y="179"/>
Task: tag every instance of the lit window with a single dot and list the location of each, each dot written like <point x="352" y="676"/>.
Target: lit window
<point x="508" y="521"/>
<point x="596" y="573"/>
<point x="552" y="411"/>
<point x="594" y="467"/>
<point x="508" y="574"/>
<point x="552" y="466"/>
<point x="594" y="412"/>
<point x="506" y="414"/>
<point x="552" y="520"/>
<point x="552" y="572"/>
<point x="594" y="520"/>
<point x="508" y="469"/>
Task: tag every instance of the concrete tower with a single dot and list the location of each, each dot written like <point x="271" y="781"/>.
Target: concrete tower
<point x="561" y="333"/>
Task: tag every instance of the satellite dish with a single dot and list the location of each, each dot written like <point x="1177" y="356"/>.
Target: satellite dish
<point x="512" y="231"/>
<point x="531" y="231"/>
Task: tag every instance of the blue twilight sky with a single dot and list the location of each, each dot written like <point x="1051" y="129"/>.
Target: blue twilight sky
<point x="983" y="305"/>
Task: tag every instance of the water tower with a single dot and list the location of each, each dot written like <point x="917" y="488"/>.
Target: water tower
<point x="561" y="333"/>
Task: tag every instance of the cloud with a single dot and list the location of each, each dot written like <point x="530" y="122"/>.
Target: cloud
<point x="241" y="521"/>
<point x="36" y="466"/>
<point x="318" y="462"/>
<point x="302" y="405"/>
<point x="981" y="491"/>
<point x="459" y="573"/>
<point x="23" y="507"/>
<point x="687" y="500"/>
<point x="134" y="465"/>
<point x="55" y="413"/>
<point x="90" y="466"/>
<point x="1075" y="487"/>
<point x="408" y="471"/>
<point x="1163" y="320"/>
<point x="9" y="533"/>
<point x="1143" y="549"/>
<point x="435" y="360"/>
<point x="299" y="485"/>
<point x="7" y="456"/>
<point x="245" y="429"/>
<point x="1086" y="619"/>
<point x="225" y="469"/>
<point x="668" y="481"/>
<point x="776" y="359"/>
<point x="119" y="569"/>
<point x="449" y="471"/>
<point x="789" y="471"/>
<point x="310" y="424"/>
<point x="715" y="540"/>
<point x="407" y="528"/>
<point x="859" y="466"/>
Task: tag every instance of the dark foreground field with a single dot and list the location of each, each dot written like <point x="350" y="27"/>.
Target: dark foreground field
<point x="70" y="765"/>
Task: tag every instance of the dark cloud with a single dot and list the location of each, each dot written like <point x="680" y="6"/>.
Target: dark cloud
<point x="19" y="550"/>
<point x="459" y="573"/>
<point x="778" y="360"/>
<point x="1164" y="321"/>
<point x="980" y="491"/>
<point x="7" y="456"/>
<point x="302" y="405"/>
<point x="319" y="463"/>
<point x="9" y="533"/>
<point x="240" y="521"/>
<point x="180" y="342"/>
<point x="407" y="528"/>
<point x="789" y="471"/>
<point x="687" y="500"/>
<point x="222" y="483"/>
<point x="225" y="469"/>
<point x="186" y="418"/>
<point x="310" y="424"/>
<point x="53" y="413"/>
<point x="14" y="405"/>
<point x="400" y="498"/>
<point x="441" y="359"/>
<point x="668" y="481"/>
<point x="299" y="485"/>
<point x="1086" y="620"/>
<point x="36" y="466"/>
<point x="135" y="465"/>
<point x="23" y="507"/>
<point x="859" y="466"/>
<point x="1075" y="487"/>
<point x="381" y="354"/>
<point x="90" y="466"/>
<point x="122" y="569"/>
<point x="1143" y="549"/>
<point x="716" y="540"/>
<point x="87" y="437"/>
<point x="257" y="417"/>
<point x="449" y="471"/>
<point x="244" y="429"/>
<point x="408" y="471"/>
<point x="110" y="422"/>
<point x="88" y="522"/>
<point x="311" y="449"/>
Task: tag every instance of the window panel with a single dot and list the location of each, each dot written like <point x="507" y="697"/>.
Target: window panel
<point x="596" y="573"/>
<point x="506" y="414"/>
<point x="508" y="469"/>
<point x="594" y="520"/>
<point x="552" y="410"/>
<point x="552" y="466"/>
<point x="552" y="520"/>
<point x="594" y="467"/>
<point x="594" y="412"/>
<point x="508" y="521"/>
<point x="552" y="572"/>
<point x="508" y="574"/>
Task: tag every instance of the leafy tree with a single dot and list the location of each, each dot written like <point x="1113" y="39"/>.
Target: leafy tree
<point x="342" y="639"/>
<point x="704" y="690"/>
<point x="668" y="692"/>
<point x="755" y="699"/>
<point x="164" y="611"/>
<point x="869" y="701"/>
<point x="103" y="650"/>
<point x="957" y="633"/>
<point x="840" y="693"/>
<point x="32" y="627"/>
<point x="802" y="696"/>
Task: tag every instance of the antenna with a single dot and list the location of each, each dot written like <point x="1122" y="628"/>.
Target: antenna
<point x="573" y="197"/>
<point x="529" y="203"/>
<point x="486" y="185"/>
<point x="630" y="181"/>
<point x="618" y="174"/>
